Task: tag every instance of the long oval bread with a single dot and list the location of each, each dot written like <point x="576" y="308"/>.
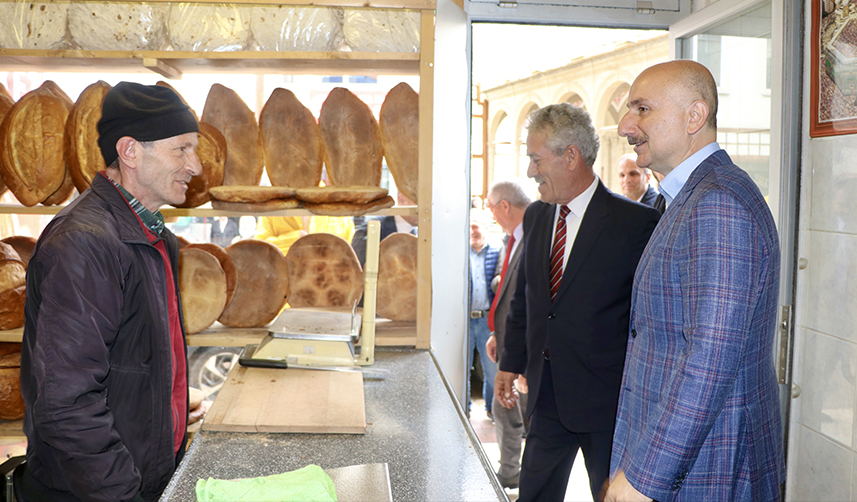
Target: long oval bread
<point x="225" y="110"/>
<point x="202" y="283"/>
<point x="397" y="277"/>
<point x="294" y="151"/>
<point x="82" y="155"/>
<point x="262" y="287"/>
<point x="352" y="140"/>
<point x="323" y="272"/>
<point x="400" y="134"/>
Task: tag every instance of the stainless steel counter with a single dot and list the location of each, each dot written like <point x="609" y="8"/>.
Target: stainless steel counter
<point x="414" y="424"/>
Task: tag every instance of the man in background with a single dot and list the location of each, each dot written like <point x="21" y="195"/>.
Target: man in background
<point x="635" y="180"/>
<point x="103" y="367"/>
<point x="699" y="415"/>
<point x="483" y="268"/>
<point x="568" y="324"/>
<point x="507" y="202"/>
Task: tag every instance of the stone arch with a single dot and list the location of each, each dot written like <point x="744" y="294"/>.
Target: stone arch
<point x="612" y="105"/>
<point x="501" y="141"/>
<point x="521" y="138"/>
<point x="573" y="97"/>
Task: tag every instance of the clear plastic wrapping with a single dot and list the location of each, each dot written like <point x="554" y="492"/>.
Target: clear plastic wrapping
<point x="297" y="28"/>
<point x="122" y="26"/>
<point x="374" y="30"/>
<point x="209" y="27"/>
<point x="31" y="25"/>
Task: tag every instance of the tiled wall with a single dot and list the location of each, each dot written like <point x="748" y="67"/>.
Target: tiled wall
<point x="823" y="445"/>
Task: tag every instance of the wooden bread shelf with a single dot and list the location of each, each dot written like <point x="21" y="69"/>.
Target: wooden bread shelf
<point x="387" y="334"/>
<point x="175" y="211"/>
<point x="377" y="4"/>
<point x="172" y="64"/>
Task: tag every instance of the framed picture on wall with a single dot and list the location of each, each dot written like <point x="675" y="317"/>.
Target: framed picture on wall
<point x="833" y="82"/>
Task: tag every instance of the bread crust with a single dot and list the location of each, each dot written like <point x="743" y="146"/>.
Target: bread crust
<point x="400" y="133"/>
<point x="225" y="263"/>
<point x="352" y="140"/>
<point x="323" y="272"/>
<point x="82" y="154"/>
<point x="225" y="110"/>
<point x="353" y="194"/>
<point x="250" y="193"/>
<point x="202" y="282"/>
<point x="23" y="245"/>
<point x="397" y="277"/>
<point x="262" y="287"/>
<point x="32" y="163"/>
<point x="294" y="150"/>
<point x="349" y="208"/>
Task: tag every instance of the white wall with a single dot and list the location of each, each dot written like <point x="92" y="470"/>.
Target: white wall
<point x="450" y="192"/>
<point x="823" y="437"/>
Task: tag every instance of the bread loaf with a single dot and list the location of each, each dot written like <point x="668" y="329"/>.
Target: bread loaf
<point x="353" y="194"/>
<point x="31" y="134"/>
<point x="82" y="155"/>
<point x="202" y="283"/>
<point x="6" y="103"/>
<point x="12" y="307"/>
<point x="225" y="110"/>
<point x="294" y="152"/>
<point x="240" y="193"/>
<point x="400" y="135"/>
<point x="262" y="287"/>
<point x="225" y="264"/>
<point x="257" y="207"/>
<point x="212" y="156"/>
<point x="12" y="270"/>
<point x="397" y="277"/>
<point x="11" y="401"/>
<point x="209" y="27"/>
<point x="23" y="245"/>
<point x="352" y="140"/>
<point x="348" y="208"/>
<point x="323" y="272"/>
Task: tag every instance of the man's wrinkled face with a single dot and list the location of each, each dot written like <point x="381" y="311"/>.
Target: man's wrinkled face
<point x="477" y="234"/>
<point x="166" y="169"/>
<point x="634" y="179"/>
<point x="552" y="172"/>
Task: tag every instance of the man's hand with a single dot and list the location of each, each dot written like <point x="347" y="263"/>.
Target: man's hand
<point x="504" y="390"/>
<point x="620" y="490"/>
<point x="491" y="348"/>
<point x="521" y="385"/>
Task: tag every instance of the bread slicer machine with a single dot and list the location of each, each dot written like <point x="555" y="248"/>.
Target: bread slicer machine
<point x="312" y="338"/>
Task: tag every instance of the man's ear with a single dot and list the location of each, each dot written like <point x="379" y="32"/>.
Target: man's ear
<point x="697" y="117"/>
<point x="571" y="153"/>
<point x="127" y="148"/>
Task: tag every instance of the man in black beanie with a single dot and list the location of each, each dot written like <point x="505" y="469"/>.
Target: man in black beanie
<point x="104" y="365"/>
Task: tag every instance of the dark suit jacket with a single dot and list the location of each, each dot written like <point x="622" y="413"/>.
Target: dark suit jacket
<point x="649" y="197"/>
<point x="586" y="327"/>
<point x="507" y="289"/>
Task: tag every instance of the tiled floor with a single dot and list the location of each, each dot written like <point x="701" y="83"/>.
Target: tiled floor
<point x="578" y="482"/>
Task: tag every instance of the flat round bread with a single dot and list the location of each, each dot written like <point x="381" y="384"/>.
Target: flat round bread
<point x="30" y="25"/>
<point x="243" y="193"/>
<point x="6" y="103"/>
<point x="202" y="283"/>
<point x="82" y="155"/>
<point x="12" y="307"/>
<point x="7" y="348"/>
<point x="11" y="400"/>
<point x="225" y="110"/>
<point x="353" y="194"/>
<point x="323" y="272"/>
<point x="297" y="28"/>
<point x="294" y="151"/>
<point x="347" y="208"/>
<point x="212" y="156"/>
<point x="183" y="243"/>
<point x="400" y="134"/>
<point x="352" y="140"/>
<point x="397" y="277"/>
<point x="257" y="207"/>
<point x="225" y="263"/>
<point x="31" y="144"/>
<point x="22" y="245"/>
<point x="263" y="284"/>
<point x="119" y="27"/>
<point x="209" y="27"/>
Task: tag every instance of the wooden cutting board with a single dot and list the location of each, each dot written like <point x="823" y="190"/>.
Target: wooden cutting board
<point x="289" y="400"/>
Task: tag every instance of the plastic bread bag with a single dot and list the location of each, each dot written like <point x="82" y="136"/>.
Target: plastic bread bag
<point x="297" y="28"/>
<point x="376" y="30"/>
<point x="30" y="25"/>
<point x="118" y="26"/>
<point x="209" y="27"/>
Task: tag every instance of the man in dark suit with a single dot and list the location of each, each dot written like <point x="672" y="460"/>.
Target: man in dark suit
<point x="635" y="181"/>
<point x="568" y="325"/>
<point x="507" y="202"/>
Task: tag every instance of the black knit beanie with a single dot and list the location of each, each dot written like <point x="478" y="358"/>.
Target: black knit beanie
<point x="143" y="112"/>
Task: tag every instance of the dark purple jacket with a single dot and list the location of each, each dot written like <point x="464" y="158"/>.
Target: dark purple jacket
<point x="96" y="366"/>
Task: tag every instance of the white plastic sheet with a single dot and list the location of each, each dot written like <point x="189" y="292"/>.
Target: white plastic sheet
<point x="31" y="25"/>
<point x="209" y="27"/>
<point x="297" y="28"/>
<point x="118" y="26"/>
<point x="375" y="30"/>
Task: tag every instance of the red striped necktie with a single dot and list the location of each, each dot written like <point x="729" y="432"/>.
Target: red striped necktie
<point x="558" y="251"/>
<point x="500" y="284"/>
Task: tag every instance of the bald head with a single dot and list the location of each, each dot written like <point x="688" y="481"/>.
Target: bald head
<point x="689" y="81"/>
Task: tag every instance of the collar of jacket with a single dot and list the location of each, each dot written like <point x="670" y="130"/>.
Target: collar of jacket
<point x="128" y="223"/>
<point x="718" y="158"/>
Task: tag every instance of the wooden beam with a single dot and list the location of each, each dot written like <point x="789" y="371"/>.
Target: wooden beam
<point x="424" y="185"/>
<point x="162" y="68"/>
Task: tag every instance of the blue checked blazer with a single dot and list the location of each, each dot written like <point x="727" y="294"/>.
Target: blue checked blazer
<point x="699" y="408"/>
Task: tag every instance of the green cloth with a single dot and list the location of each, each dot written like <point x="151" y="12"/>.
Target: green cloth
<point x="310" y="484"/>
